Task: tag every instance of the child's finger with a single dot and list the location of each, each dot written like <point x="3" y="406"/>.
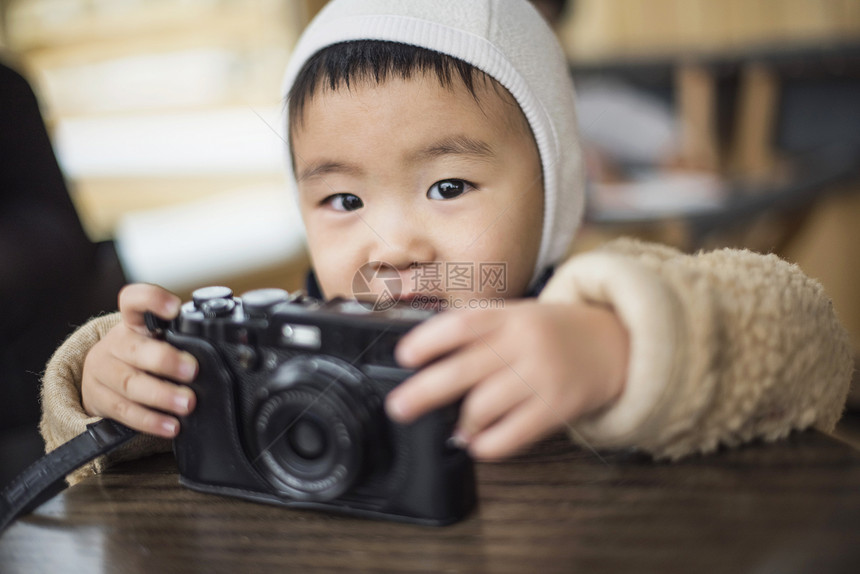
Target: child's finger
<point x="149" y="391"/>
<point x="444" y="333"/>
<point x="442" y="382"/>
<point x="524" y="425"/>
<point x="136" y="299"/>
<point x="156" y="357"/>
<point x="108" y="403"/>
<point x="488" y="402"/>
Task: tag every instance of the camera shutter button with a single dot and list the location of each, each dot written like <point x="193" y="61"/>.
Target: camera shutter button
<point x="205" y="294"/>
<point x="217" y="308"/>
<point x="259" y="302"/>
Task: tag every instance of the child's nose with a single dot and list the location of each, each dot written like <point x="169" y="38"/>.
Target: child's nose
<point x="402" y="241"/>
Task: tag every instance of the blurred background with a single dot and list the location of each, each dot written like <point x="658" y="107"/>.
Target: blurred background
<point x="707" y="123"/>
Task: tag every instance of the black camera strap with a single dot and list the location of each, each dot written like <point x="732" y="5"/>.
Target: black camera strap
<point x="46" y="477"/>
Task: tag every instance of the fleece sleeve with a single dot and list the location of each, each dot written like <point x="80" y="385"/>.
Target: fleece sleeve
<point x="63" y="415"/>
<point x="725" y="347"/>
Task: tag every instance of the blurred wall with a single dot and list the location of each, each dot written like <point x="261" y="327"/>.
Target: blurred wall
<point x="597" y="29"/>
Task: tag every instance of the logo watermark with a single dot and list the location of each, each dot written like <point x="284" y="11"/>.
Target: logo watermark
<point x="454" y="276"/>
<point x="434" y="285"/>
<point x="377" y="285"/>
<point x="428" y="302"/>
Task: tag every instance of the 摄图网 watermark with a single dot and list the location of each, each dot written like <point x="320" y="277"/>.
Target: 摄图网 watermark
<point x="433" y="284"/>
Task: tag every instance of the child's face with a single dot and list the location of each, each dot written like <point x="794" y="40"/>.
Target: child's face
<point x="419" y="176"/>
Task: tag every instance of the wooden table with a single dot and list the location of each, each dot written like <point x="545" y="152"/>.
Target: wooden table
<point x="793" y="506"/>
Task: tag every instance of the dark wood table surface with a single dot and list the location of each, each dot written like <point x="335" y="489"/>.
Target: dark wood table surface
<point x="793" y="506"/>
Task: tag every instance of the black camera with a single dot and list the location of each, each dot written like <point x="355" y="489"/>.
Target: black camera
<point x="290" y="395"/>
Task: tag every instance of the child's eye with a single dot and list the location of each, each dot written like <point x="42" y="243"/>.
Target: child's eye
<point x="343" y="202"/>
<point x="448" y="189"/>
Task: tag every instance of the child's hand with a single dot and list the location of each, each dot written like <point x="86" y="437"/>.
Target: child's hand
<point x="121" y="372"/>
<point x="526" y="370"/>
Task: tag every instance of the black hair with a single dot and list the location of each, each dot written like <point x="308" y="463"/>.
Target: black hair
<point x="344" y="63"/>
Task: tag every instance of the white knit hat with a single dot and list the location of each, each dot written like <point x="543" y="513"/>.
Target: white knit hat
<point x="506" y="39"/>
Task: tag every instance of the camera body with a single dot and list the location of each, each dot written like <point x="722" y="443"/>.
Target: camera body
<point x="290" y="394"/>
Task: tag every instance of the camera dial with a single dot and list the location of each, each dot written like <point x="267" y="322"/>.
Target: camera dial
<point x="204" y="294"/>
<point x="311" y="427"/>
<point x="214" y="302"/>
<point x="259" y="302"/>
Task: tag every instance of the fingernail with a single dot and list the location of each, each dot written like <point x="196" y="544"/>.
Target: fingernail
<point x="171" y="308"/>
<point x="170" y="427"/>
<point x="188" y="367"/>
<point x="403" y="354"/>
<point x="396" y="408"/>
<point x="182" y="403"/>
<point x="458" y="439"/>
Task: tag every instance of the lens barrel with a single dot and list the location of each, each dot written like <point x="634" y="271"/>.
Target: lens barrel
<point x="311" y="427"/>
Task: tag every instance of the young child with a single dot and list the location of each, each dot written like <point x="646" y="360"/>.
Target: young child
<point x="424" y="133"/>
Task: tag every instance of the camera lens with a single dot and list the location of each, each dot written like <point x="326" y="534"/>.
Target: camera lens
<point x="307" y="439"/>
<point x="312" y="426"/>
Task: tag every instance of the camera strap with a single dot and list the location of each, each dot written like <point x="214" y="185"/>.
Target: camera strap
<point x="46" y="477"/>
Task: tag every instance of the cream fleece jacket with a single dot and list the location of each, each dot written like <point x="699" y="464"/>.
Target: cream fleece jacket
<point x="726" y="347"/>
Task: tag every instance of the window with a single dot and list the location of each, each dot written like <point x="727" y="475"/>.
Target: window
<point x="167" y="113"/>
